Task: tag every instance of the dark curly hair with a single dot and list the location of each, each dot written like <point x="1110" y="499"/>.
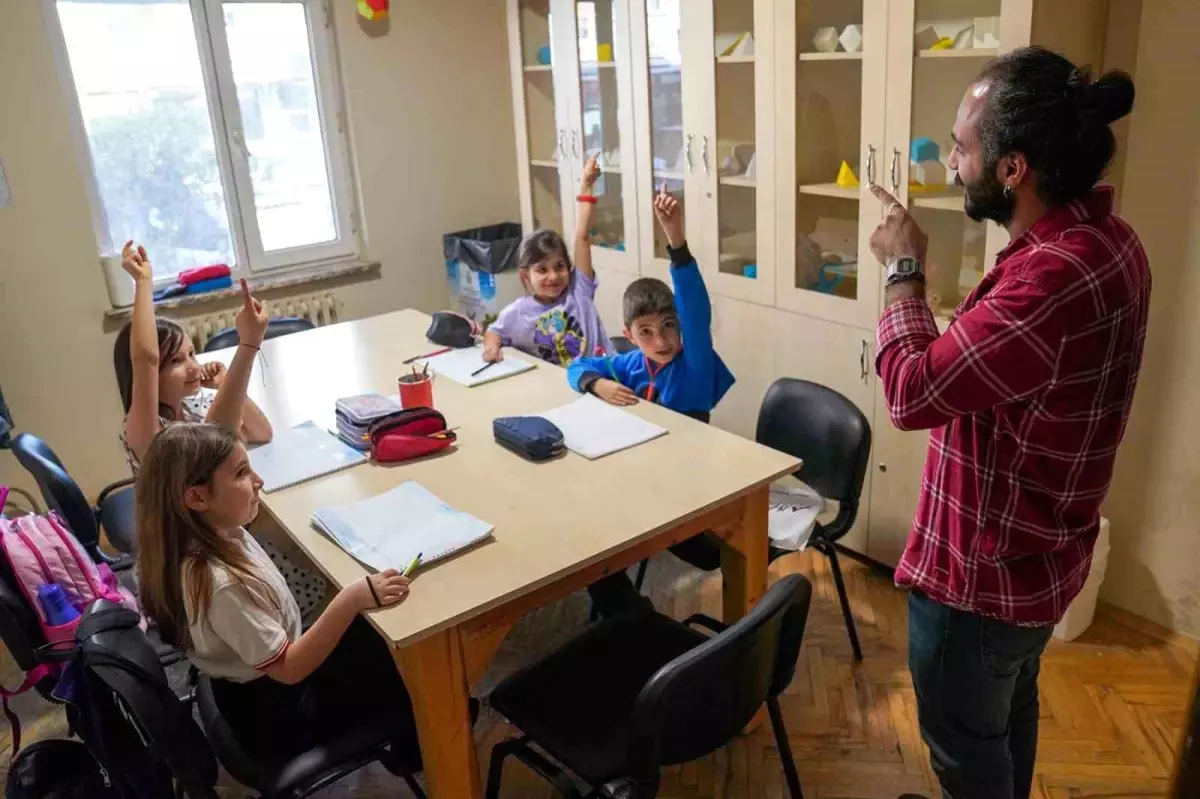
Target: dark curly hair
<point x="1056" y="115"/>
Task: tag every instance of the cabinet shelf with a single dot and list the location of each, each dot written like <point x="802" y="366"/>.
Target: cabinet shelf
<point x="589" y="65"/>
<point x="831" y="56"/>
<point x="942" y="200"/>
<point x="735" y="59"/>
<point x="545" y="163"/>
<point x="829" y="190"/>
<point x="969" y="52"/>
<point x="738" y="180"/>
<point x="666" y="174"/>
<point x="538" y="67"/>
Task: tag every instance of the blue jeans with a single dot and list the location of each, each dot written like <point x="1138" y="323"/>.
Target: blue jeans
<point x="977" y="698"/>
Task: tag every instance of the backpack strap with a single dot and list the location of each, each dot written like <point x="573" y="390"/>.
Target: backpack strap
<point x="32" y="678"/>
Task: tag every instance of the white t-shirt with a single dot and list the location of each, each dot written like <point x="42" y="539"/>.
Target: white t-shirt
<point x="245" y="627"/>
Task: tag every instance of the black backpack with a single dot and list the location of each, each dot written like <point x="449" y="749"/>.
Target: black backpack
<point x="57" y="769"/>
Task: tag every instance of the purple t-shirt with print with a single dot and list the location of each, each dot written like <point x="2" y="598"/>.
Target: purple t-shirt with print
<point x="557" y="332"/>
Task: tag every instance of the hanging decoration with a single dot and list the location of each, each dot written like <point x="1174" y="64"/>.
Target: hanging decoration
<point x="373" y="9"/>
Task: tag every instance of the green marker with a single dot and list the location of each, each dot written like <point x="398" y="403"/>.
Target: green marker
<point x="412" y="567"/>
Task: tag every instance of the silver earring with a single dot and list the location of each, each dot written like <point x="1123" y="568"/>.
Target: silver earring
<point x="1008" y="191"/>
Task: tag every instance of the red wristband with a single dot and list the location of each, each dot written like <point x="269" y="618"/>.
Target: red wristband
<point x="587" y="198"/>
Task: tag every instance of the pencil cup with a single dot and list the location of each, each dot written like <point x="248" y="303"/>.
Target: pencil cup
<point x="416" y="391"/>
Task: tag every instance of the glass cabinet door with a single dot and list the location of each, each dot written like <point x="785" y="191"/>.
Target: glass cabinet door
<point x="951" y="41"/>
<point x="832" y="139"/>
<point x="604" y="125"/>
<point x="541" y="131"/>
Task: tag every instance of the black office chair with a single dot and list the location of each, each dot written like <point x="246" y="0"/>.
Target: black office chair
<point x="119" y="654"/>
<point x="622" y="344"/>
<point x="833" y="438"/>
<point x="283" y="326"/>
<point x="638" y="692"/>
<point x="63" y="494"/>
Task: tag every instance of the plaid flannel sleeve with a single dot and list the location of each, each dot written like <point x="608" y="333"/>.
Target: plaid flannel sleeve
<point x="1004" y="348"/>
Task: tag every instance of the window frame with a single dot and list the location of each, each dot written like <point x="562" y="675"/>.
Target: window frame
<point x="228" y="130"/>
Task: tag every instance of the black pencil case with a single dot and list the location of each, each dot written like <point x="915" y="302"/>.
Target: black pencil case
<point x="531" y="437"/>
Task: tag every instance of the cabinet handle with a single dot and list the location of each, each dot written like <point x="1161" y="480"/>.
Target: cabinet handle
<point x="870" y="164"/>
<point x="896" y="172"/>
<point x="687" y="151"/>
<point x="562" y="144"/>
<point x="883" y="467"/>
<point x="575" y="143"/>
<point x="704" y="154"/>
<point x="862" y="361"/>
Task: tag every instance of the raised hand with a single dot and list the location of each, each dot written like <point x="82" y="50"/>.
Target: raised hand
<point x="135" y="262"/>
<point x="591" y="173"/>
<point x="251" y="320"/>
<point x="212" y="374"/>
<point x="670" y="216"/>
<point x="898" y="235"/>
<point x="613" y="392"/>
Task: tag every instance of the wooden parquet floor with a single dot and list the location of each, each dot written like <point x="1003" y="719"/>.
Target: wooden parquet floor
<point x="1112" y="706"/>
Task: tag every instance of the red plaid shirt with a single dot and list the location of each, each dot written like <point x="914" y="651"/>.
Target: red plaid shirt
<point x="1027" y="394"/>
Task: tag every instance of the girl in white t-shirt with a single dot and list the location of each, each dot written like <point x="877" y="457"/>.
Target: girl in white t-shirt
<point x="161" y="383"/>
<point x="215" y="594"/>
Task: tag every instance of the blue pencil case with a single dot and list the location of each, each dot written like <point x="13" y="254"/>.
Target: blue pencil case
<point x="530" y="437"/>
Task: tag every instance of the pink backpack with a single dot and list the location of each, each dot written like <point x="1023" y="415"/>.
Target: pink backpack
<point x="41" y="550"/>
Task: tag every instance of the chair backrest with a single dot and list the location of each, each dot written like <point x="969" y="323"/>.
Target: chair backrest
<point x="824" y="429"/>
<point x="703" y="698"/>
<point x="282" y="326"/>
<point x="60" y="492"/>
<point x="115" y="649"/>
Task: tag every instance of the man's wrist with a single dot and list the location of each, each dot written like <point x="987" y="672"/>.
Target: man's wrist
<point x="906" y="290"/>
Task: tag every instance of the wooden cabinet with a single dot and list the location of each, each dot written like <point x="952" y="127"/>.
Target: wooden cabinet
<point x="768" y="119"/>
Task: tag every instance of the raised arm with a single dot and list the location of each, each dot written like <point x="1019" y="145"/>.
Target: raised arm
<point x="228" y="408"/>
<point x="141" y="423"/>
<point x="691" y="296"/>
<point x="586" y="207"/>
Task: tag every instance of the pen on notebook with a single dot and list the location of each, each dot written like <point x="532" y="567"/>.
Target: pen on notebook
<point x="482" y="368"/>
<point x="407" y="361"/>
<point x="412" y="567"/>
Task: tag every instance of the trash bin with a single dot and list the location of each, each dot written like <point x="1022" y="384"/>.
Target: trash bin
<point x="1083" y="607"/>
<point x="481" y="270"/>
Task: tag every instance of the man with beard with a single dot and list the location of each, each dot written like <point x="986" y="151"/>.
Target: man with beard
<point x="1027" y="394"/>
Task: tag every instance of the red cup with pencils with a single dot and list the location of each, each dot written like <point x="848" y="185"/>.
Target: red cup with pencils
<point x="416" y="389"/>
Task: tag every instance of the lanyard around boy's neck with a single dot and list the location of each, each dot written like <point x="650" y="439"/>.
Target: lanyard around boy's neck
<point x="652" y="371"/>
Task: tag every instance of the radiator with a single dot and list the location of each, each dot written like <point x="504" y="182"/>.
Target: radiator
<point x="320" y="309"/>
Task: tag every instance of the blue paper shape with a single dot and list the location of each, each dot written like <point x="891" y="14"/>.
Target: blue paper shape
<point x="923" y="149"/>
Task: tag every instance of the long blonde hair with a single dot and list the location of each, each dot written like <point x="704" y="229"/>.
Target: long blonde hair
<point x="177" y="547"/>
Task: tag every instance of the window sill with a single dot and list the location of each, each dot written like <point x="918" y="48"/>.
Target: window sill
<point x="269" y="282"/>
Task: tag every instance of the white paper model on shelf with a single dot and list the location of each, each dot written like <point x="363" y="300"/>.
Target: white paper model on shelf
<point x="951" y="174"/>
<point x="965" y="38"/>
<point x="925" y="37"/>
<point x="681" y="161"/>
<point x="751" y="168"/>
<point x="852" y="38"/>
<point x="825" y="40"/>
<point x="987" y="32"/>
<point x="927" y="173"/>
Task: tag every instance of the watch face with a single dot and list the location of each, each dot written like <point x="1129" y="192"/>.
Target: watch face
<point x="906" y="266"/>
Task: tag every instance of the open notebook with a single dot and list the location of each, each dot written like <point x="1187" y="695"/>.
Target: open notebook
<point x="460" y="366"/>
<point x="389" y="530"/>
<point x="593" y="428"/>
<point x="301" y="453"/>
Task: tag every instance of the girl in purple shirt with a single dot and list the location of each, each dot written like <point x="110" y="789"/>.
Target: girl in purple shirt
<point x="557" y="321"/>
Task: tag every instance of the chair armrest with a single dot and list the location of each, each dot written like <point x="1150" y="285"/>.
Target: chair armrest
<point x="111" y="487"/>
<point x="707" y="622"/>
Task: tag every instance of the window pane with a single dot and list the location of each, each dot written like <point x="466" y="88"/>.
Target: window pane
<point x="273" y="70"/>
<point x="137" y="71"/>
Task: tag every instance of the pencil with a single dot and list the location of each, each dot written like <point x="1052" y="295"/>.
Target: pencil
<point x="482" y="368"/>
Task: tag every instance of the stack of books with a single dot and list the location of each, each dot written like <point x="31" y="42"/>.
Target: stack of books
<point x="355" y="415"/>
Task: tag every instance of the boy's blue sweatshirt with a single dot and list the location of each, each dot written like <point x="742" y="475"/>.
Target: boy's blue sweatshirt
<point x="696" y="379"/>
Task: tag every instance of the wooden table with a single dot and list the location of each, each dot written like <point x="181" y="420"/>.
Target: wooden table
<point x="559" y="526"/>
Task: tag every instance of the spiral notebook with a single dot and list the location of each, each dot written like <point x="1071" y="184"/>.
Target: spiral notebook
<point x="299" y="454"/>
<point x="389" y="530"/>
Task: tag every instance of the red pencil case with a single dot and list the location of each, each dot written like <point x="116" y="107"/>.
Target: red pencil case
<point x="408" y="434"/>
<point x="201" y="273"/>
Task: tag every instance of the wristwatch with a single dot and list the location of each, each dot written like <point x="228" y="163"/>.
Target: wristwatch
<point x="904" y="269"/>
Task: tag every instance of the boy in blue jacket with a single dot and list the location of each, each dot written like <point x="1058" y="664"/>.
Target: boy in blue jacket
<point x="674" y="364"/>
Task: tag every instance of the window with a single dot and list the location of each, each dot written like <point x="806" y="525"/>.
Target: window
<point x="212" y="127"/>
